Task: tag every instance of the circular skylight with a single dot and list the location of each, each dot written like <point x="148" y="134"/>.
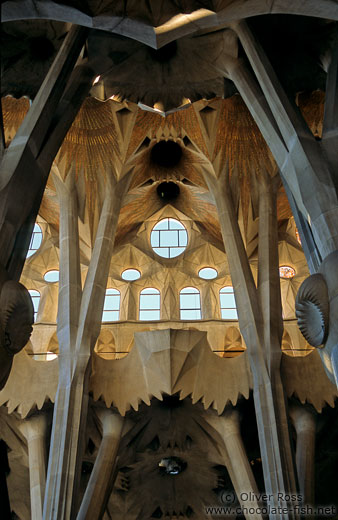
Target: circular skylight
<point x="286" y="271"/>
<point x="130" y="275"/>
<point x="207" y="273"/>
<point x="51" y="276"/>
<point x="169" y="238"/>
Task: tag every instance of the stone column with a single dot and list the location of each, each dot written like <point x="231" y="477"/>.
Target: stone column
<point x="79" y="324"/>
<point x="261" y="334"/>
<point x="102" y="477"/>
<point x="236" y="460"/>
<point x="304" y="421"/>
<point x="34" y="429"/>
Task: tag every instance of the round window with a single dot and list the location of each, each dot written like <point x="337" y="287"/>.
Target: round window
<point x="207" y="273"/>
<point x="51" y="276"/>
<point x="130" y="275"/>
<point x="286" y="271"/>
<point x="169" y="238"/>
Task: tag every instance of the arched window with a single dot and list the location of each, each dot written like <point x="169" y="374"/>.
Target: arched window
<point x="150" y="304"/>
<point x="111" y="307"/>
<point x="190" y="304"/>
<point x="35" y="295"/>
<point x="228" y="304"/>
<point x="36" y="240"/>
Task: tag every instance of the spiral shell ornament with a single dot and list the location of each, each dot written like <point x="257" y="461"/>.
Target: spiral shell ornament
<point x="312" y="309"/>
<point x="16" y="316"/>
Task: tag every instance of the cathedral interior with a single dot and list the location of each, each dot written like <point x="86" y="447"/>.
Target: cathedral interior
<point x="169" y="259"/>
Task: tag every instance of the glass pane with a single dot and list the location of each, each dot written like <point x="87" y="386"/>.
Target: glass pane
<point x="163" y="224"/>
<point x="131" y="274"/>
<point x="150" y="290"/>
<point x="155" y="239"/>
<point x="169" y="238"/>
<point x="149" y="315"/>
<point x="52" y="276"/>
<point x="190" y="290"/>
<point x="207" y="273"/>
<point x="228" y="300"/>
<point x="36" y="301"/>
<point x="163" y="251"/>
<point x="149" y="301"/>
<point x="190" y="301"/>
<point x="183" y="238"/>
<point x="112" y="302"/>
<point x="175" y="251"/>
<point x="110" y="315"/>
<point x="112" y="291"/>
<point x="36" y="241"/>
<point x="286" y="271"/>
<point x="229" y="314"/>
<point x="227" y="289"/>
<point x="175" y="224"/>
<point x="194" y="314"/>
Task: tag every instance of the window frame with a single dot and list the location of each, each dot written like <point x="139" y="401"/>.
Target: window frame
<point x="171" y="248"/>
<point x="31" y="251"/>
<point x="146" y="310"/>
<point x="116" y="295"/>
<point x="194" y="291"/>
<point x="232" y="292"/>
<point x="35" y="297"/>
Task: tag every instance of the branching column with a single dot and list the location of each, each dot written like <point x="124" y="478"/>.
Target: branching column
<point x="79" y="323"/>
<point x="101" y="479"/>
<point x="236" y="460"/>
<point x="262" y="336"/>
<point x="304" y="421"/>
<point x="305" y="164"/>
<point x="34" y="428"/>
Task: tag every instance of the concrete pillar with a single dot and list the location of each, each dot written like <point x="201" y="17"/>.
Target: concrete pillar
<point x="236" y="460"/>
<point x="79" y="324"/>
<point x="101" y="479"/>
<point x="34" y="429"/>
<point x="261" y="335"/>
<point x="304" y="421"/>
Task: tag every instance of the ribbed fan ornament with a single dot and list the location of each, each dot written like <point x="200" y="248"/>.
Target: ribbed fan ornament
<point x="17" y="316"/>
<point x="312" y="309"/>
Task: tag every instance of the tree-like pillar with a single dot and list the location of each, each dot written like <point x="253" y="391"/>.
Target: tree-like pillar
<point x="261" y="337"/>
<point x="79" y="323"/>
<point x="34" y="429"/>
<point x="307" y="170"/>
<point x="236" y="460"/>
<point x="304" y="421"/>
<point x="101" y="480"/>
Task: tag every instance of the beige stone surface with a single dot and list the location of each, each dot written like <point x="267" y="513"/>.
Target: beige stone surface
<point x="122" y="80"/>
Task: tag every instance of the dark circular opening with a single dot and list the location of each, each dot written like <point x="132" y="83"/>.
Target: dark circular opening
<point x="40" y="48"/>
<point x="172" y="466"/>
<point x="166" y="154"/>
<point x="165" y="53"/>
<point x="168" y="190"/>
<point x="171" y="401"/>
